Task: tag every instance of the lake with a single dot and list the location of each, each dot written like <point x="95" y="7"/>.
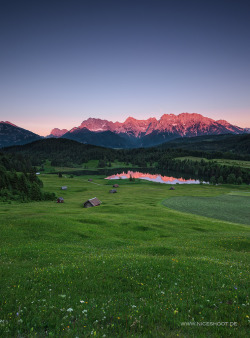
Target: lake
<point x="153" y="177"/>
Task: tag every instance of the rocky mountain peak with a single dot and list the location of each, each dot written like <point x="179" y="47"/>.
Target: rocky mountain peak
<point x="7" y="122"/>
<point x="152" y="131"/>
<point x="56" y="132"/>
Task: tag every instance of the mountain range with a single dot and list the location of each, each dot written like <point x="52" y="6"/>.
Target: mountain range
<point x="132" y="133"/>
<point x="145" y="133"/>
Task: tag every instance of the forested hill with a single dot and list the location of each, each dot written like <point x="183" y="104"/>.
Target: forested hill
<point x="237" y="144"/>
<point x="62" y="152"/>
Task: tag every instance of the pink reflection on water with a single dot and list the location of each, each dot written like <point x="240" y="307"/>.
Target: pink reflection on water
<point x="154" y="178"/>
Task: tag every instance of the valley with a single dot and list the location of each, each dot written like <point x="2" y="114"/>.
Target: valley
<point x="132" y="266"/>
<point x="148" y="261"/>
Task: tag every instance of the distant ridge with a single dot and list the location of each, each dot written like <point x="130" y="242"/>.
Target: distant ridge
<point x="226" y="143"/>
<point x="10" y="135"/>
<point x="63" y="149"/>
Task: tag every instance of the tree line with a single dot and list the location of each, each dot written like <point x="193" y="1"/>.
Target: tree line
<point x="18" y="180"/>
<point x="69" y="153"/>
<point x="207" y="170"/>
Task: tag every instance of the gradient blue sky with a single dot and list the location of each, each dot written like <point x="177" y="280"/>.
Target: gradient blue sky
<point x="64" y="61"/>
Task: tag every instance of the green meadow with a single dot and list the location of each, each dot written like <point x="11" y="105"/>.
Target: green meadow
<point x="147" y="262"/>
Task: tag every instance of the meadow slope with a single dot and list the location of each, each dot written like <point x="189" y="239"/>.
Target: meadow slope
<point x="130" y="267"/>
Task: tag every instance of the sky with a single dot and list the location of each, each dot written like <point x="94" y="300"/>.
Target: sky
<point x="64" y="61"/>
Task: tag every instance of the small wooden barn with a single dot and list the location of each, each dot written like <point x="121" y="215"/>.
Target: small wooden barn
<point x="116" y="186"/>
<point x="93" y="202"/>
<point x="172" y="188"/>
<point x="60" y="200"/>
<point x="64" y="188"/>
<point x="112" y="191"/>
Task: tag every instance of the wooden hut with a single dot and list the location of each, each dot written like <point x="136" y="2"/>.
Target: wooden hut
<point x="60" y="200"/>
<point x="172" y="188"/>
<point x="116" y="186"/>
<point x="93" y="202"/>
<point x="64" y="188"/>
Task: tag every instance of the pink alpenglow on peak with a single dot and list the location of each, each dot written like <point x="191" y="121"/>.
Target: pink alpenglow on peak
<point x="154" y="178"/>
<point x="144" y="133"/>
<point x="184" y="124"/>
<point x="7" y="122"/>
<point x="58" y="132"/>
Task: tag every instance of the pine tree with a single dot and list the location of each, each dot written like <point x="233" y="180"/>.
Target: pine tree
<point x="14" y="180"/>
<point x="35" y="192"/>
<point x="239" y="180"/>
<point x="231" y="179"/>
<point x="220" y="180"/>
<point x="213" y="180"/>
<point x="23" y="184"/>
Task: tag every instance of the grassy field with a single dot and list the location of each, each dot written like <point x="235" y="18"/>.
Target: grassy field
<point x="237" y="163"/>
<point x="231" y="208"/>
<point x="130" y="267"/>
